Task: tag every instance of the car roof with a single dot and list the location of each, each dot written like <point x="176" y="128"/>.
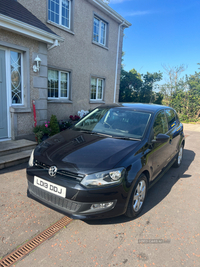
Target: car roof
<point x="152" y="108"/>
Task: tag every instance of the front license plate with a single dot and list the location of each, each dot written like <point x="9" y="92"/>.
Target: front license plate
<point x="50" y="187"/>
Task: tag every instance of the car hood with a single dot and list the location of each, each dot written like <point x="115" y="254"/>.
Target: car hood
<point x="82" y="152"/>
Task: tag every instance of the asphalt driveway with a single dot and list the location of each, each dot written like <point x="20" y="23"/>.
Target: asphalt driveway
<point x="167" y="233"/>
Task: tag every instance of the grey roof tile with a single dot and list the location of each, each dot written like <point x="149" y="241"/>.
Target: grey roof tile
<point x="15" y="10"/>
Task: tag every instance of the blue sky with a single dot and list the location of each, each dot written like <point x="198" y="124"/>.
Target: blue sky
<point x="162" y="32"/>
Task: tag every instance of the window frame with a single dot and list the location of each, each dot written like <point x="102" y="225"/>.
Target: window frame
<point x="101" y="20"/>
<point x="59" y="85"/>
<point x="60" y="15"/>
<point x="103" y="86"/>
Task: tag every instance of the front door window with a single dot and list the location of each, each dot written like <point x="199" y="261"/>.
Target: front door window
<point x="160" y="124"/>
<point x="16" y="79"/>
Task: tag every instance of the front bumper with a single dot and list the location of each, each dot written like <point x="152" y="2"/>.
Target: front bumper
<point x="78" y="200"/>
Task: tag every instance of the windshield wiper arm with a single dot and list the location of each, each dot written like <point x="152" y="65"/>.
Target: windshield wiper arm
<point x="126" y="138"/>
<point x="89" y="132"/>
<point x="107" y="135"/>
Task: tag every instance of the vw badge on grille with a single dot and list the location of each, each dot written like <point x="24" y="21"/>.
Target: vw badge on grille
<point x="53" y="171"/>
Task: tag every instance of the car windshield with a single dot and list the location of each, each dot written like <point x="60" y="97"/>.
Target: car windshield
<point x="115" y="122"/>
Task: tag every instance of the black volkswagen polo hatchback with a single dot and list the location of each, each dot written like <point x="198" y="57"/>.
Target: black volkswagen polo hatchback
<point x="104" y="165"/>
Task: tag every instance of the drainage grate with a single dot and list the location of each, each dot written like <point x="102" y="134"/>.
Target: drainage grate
<point x="35" y="242"/>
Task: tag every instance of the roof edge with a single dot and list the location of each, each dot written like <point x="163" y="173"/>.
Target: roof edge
<point x="22" y="28"/>
<point x="108" y="10"/>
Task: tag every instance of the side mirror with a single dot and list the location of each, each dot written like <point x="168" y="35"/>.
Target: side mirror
<point x="161" y="138"/>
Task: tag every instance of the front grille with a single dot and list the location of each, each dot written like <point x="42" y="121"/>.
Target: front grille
<point x="76" y="176"/>
<point x="51" y="198"/>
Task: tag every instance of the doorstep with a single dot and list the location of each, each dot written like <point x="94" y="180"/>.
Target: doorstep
<point x="15" y="152"/>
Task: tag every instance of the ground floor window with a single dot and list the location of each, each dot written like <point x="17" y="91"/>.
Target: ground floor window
<point x="58" y="84"/>
<point x="97" y="88"/>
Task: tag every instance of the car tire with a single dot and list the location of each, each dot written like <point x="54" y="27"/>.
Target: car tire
<point x="179" y="157"/>
<point x="136" y="201"/>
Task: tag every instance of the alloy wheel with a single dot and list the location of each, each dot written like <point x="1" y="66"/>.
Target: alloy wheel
<point x="139" y="195"/>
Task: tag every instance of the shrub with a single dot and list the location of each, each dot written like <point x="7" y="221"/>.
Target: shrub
<point x="63" y="125"/>
<point x="74" y="118"/>
<point x="54" y="125"/>
<point x="41" y="130"/>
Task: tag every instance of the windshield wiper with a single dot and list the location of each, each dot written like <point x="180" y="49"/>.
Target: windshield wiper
<point x="126" y="138"/>
<point x="86" y="131"/>
<point x="89" y="132"/>
<point x="107" y="135"/>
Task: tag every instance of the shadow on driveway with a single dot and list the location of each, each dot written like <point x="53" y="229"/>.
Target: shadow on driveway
<point x="14" y="168"/>
<point x="158" y="191"/>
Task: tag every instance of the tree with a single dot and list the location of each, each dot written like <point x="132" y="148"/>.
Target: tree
<point x="146" y="90"/>
<point x="194" y="95"/>
<point x="135" y="87"/>
<point x="173" y="74"/>
<point x="186" y="99"/>
<point x="130" y="83"/>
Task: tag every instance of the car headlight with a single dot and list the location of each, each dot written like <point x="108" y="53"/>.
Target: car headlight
<point x="31" y="160"/>
<point x="104" y="178"/>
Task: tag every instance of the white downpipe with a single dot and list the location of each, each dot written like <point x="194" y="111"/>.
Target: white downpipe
<point x="117" y="61"/>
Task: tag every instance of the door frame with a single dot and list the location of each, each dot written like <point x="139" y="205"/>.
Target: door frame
<point x="8" y="94"/>
<point x="8" y="86"/>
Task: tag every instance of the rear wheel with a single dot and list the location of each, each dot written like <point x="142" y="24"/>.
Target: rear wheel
<point x="137" y="198"/>
<point x="179" y="157"/>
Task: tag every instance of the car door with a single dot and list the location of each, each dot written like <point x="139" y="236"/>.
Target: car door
<point x="160" y="151"/>
<point x="173" y="132"/>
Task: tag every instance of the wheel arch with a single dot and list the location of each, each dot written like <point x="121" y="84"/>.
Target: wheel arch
<point x="146" y="172"/>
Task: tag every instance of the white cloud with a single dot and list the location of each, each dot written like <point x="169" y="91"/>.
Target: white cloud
<point x="138" y="13"/>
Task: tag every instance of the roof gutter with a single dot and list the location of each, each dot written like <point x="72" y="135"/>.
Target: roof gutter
<point x="117" y="61"/>
<point x="22" y="28"/>
<point x="108" y="10"/>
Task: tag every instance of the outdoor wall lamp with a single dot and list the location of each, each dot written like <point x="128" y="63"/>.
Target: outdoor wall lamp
<point x="37" y="66"/>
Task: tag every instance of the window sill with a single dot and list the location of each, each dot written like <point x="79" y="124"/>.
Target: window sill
<point x="97" y="102"/>
<point x="60" y="27"/>
<point x="20" y="109"/>
<point x="60" y="101"/>
<point x="98" y="44"/>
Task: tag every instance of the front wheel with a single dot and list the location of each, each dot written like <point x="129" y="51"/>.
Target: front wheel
<point x="179" y="157"/>
<point x="137" y="198"/>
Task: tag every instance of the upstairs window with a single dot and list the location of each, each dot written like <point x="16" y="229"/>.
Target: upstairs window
<point x="99" y="31"/>
<point x="59" y="12"/>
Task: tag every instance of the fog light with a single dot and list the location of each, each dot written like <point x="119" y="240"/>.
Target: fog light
<point x="101" y="205"/>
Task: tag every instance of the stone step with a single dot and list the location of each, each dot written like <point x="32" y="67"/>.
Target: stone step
<point x="15" y="158"/>
<point x="11" y="147"/>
